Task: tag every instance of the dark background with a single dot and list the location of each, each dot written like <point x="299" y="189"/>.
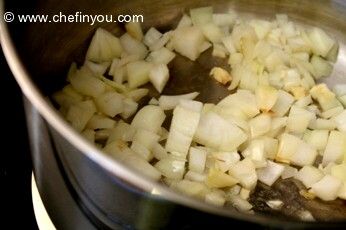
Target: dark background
<point x="15" y="163"/>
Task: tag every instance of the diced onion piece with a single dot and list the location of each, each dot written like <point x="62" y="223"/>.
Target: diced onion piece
<point x="141" y="151"/>
<point x="201" y="16"/>
<point x="215" y="198"/>
<point x="133" y="46"/>
<point x="158" y="76"/>
<point x="187" y="42"/>
<point x="185" y="21"/>
<point x="322" y="67"/>
<point x="309" y="175"/>
<point x="298" y="119"/>
<point x="321" y="42"/>
<point x="152" y="36"/>
<point x="218" y="179"/>
<point x="159" y="152"/>
<point x="270" y="146"/>
<point x="206" y="45"/>
<point x="171" y="167"/>
<point x="288" y="145"/>
<point x="146" y="138"/>
<point x="110" y="103"/>
<point x="197" y="159"/>
<point x="80" y="113"/>
<point x="333" y="53"/>
<point x="191" y="188"/>
<point x="228" y="43"/>
<point x="170" y="102"/>
<point x="183" y="127"/>
<point x="220" y="75"/>
<point x="137" y="94"/>
<point x="225" y="160"/>
<point x="340" y="121"/>
<point x="289" y="172"/>
<point x="122" y="153"/>
<point x="214" y="131"/>
<point x="283" y="103"/>
<point x="303" y="102"/>
<point x="84" y="82"/>
<point x="138" y="73"/>
<point x="130" y="108"/>
<point x="104" y="46"/>
<point x="240" y="204"/>
<point x="134" y="29"/>
<point x="102" y="134"/>
<point x="269" y="174"/>
<point x="278" y="124"/>
<point x="324" y="96"/>
<point x="266" y="97"/>
<point x="322" y="124"/>
<point x="262" y="27"/>
<point x="150" y="118"/>
<point x="335" y="149"/>
<point x="332" y="112"/>
<point x="161" y="42"/>
<point x="275" y="204"/>
<point x="194" y="176"/>
<point x="244" y="193"/>
<point x="260" y="125"/>
<point x="339" y="171"/>
<point x="97" y="68"/>
<point x="327" y="188"/>
<point x="161" y="56"/>
<point x="245" y="172"/>
<point x="317" y="138"/>
<point x="245" y="100"/>
<point x="100" y="122"/>
<point x="122" y="131"/>
<point x="255" y="152"/>
<point x="153" y="101"/>
<point x="212" y="32"/>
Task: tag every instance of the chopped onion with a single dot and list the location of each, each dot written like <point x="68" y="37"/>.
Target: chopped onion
<point x="245" y="172"/>
<point x="194" y="176"/>
<point x="100" y="122"/>
<point x="110" y="103"/>
<point x="197" y="159"/>
<point x="170" y="102"/>
<point x="260" y="125"/>
<point x="161" y="56"/>
<point x="269" y="174"/>
<point x="171" y="167"/>
<point x="150" y="118"/>
<point x="104" y="46"/>
<point x="122" y="131"/>
<point x="309" y="175"/>
<point x="151" y="37"/>
<point x="327" y="188"/>
<point x="133" y="46"/>
<point x="159" y="152"/>
<point x="283" y="103"/>
<point x="137" y="94"/>
<point x="80" y="113"/>
<point x="215" y="198"/>
<point x="218" y="179"/>
<point x="289" y="172"/>
<point x="138" y="73"/>
<point x="134" y="29"/>
<point x="85" y="82"/>
<point x="187" y="42"/>
<point x="335" y="149"/>
<point x="320" y="41"/>
<point x="183" y="127"/>
<point x="158" y="76"/>
<point x="266" y="97"/>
